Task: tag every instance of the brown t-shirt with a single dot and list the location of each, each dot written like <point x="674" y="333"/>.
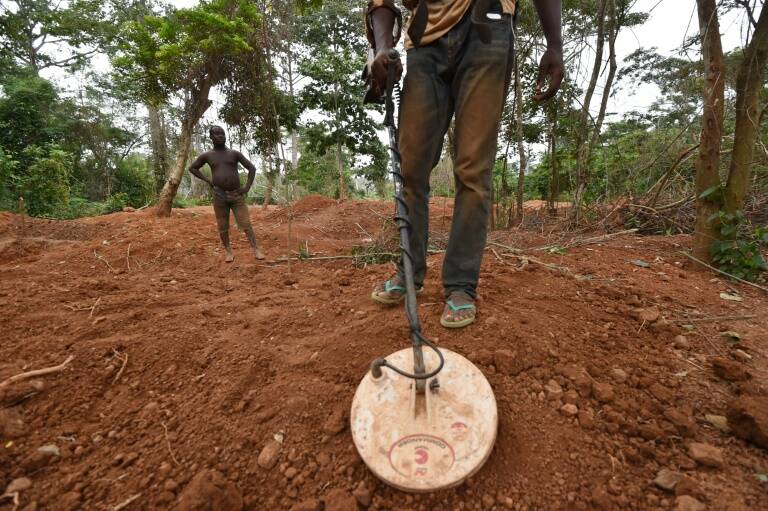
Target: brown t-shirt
<point x="443" y="16"/>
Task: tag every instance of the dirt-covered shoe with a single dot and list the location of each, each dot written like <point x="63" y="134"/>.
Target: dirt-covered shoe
<point x="391" y="292"/>
<point x="459" y="311"/>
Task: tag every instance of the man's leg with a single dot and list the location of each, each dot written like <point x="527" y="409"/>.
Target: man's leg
<point x="243" y="219"/>
<point x="425" y="111"/>
<point x="221" y="208"/>
<point x="479" y="90"/>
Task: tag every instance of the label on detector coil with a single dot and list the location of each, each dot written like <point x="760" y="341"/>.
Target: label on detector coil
<point x="421" y="456"/>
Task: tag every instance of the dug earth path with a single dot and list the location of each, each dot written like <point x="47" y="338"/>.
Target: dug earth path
<point x="197" y="384"/>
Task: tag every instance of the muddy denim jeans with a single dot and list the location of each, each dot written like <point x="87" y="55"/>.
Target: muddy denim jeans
<point x="457" y="74"/>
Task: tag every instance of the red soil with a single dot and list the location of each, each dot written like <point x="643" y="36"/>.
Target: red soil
<point x="219" y="359"/>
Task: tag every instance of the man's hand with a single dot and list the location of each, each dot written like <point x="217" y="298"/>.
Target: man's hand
<point x="551" y="69"/>
<point x="379" y="69"/>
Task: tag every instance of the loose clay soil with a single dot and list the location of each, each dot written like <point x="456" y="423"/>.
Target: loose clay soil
<point x="190" y="375"/>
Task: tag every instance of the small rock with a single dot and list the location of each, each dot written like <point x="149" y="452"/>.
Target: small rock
<point x="649" y="315"/>
<point x="554" y="390"/>
<point x="290" y="473"/>
<point x="128" y="209"/>
<point x="729" y="370"/>
<point x="308" y="505"/>
<point x="19" y="485"/>
<point x="688" y="503"/>
<point x="718" y="421"/>
<point x="741" y="355"/>
<point x="580" y="378"/>
<point x="335" y="422"/>
<point x="488" y="501"/>
<point x="688" y="486"/>
<point x="339" y="500"/>
<point x="209" y="490"/>
<point x="363" y="495"/>
<point x="505" y="362"/>
<point x="603" y="392"/>
<point x="681" y="342"/>
<point x="269" y="455"/>
<point x="684" y="423"/>
<point x="667" y="479"/>
<point x="11" y="424"/>
<point x="619" y="375"/>
<point x="170" y="485"/>
<point x="586" y="420"/>
<point x="706" y="454"/>
<point x="748" y="417"/>
<point x="661" y="392"/>
<point x="569" y="410"/>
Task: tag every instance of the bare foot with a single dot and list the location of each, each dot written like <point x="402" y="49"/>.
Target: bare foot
<point x="258" y="254"/>
<point x="230" y="257"/>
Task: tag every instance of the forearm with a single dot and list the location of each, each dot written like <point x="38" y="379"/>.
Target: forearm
<point x="199" y="175"/>
<point x="251" y="177"/>
<point x="383" y="21"/>
<point x="549" y="14"/>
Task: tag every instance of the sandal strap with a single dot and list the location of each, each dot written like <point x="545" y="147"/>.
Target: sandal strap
<point x="455" y="308"/>
<point x="388" y="286"/>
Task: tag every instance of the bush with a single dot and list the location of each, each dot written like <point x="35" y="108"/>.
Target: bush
<point x="737" y="254"/>
<point x="134" y="179"/>
<point x="116" y="202"/>
<point x="44" y="184"/>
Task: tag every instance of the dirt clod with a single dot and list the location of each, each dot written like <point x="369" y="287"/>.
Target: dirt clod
<point x="748" y="418"/>
<point x="729" y="369"/>
<point x="339" y="499"/>
<point x="667" y="479"/>
<point x="209" y="490"/>
<point x="688" y="503"/>
<point x="706" y="454"/>
<point x="19" y="484"/>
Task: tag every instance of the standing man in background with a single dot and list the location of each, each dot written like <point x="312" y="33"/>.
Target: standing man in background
<point x="227" y="192"/>
<point x="460" y="60"/>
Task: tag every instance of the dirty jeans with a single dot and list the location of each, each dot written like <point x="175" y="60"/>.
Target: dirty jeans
<point x="458" y="74"/>
<point x="222" y="204"/>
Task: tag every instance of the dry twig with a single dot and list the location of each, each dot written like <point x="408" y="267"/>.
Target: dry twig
<point x="757" y="286"/>
<point x="168" y="444"/>
<point x="102" y="259"/>
<point x="37" y="372"/>
<point x="126" y="502"/>
<point x="93" y="307"/>
<point x="124" y="358"/>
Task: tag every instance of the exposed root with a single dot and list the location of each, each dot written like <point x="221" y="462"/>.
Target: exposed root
<point x="36" y="372"/>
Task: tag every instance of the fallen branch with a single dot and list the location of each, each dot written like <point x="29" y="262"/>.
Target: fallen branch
<point x="124" y="358"/>
<point x="587" y="241"/>
<point x="126" y="502"/>
<point x="716" y="318"/>
<point x="37" y="372"/>
<point x="505" y="247"/>
<point x="757" y="286"/>
<point x="551" y="266"/>
<point x="168" y="444"/>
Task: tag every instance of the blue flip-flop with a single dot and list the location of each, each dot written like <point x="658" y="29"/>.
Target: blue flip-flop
<point x="391" y="294"/>
<point x="455" y="308"/>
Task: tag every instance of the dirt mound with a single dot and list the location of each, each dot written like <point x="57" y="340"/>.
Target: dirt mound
<point x="197" y="381"/>
<point x="303" y="206"/>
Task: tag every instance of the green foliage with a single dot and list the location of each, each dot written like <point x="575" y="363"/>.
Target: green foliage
<point x="134" y="180"/>
<point x="44" y="184"/>
<point x="116" y="202"/>
<point x="736" y="254"/>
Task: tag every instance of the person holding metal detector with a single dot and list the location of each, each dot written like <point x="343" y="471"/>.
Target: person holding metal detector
<point x="459" y="63"/>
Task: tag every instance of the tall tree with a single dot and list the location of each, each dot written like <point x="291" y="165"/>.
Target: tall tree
<point x="708" y="165"/>
<point x="188" y="52"/>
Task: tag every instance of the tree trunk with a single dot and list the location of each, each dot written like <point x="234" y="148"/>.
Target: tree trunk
<point x="582" y="131"/>
<point x="159" y="142"/>
<point x="520" y="142"/>
<point x="749" y="85"/>
<point x="340" y="166"/>
<point x="708" y="164"/>
<point x="199" y="103"/>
